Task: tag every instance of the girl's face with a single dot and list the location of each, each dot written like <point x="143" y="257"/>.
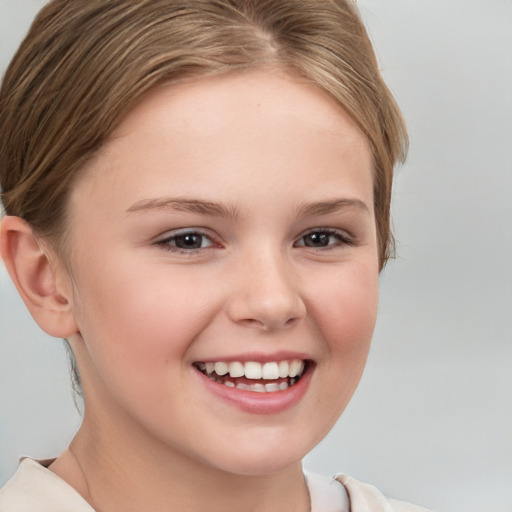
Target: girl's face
<point x="228" y="224"/>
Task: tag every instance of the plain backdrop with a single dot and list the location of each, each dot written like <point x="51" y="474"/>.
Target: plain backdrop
<point x="432" y="419"/>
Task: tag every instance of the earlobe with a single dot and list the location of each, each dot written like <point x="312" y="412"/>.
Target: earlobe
<point x="35" y="278"/>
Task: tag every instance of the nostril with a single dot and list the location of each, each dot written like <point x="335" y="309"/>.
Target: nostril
<point x="250" y="322"/>
<point x="292" y="321"/>
<point x="268" y="324"/>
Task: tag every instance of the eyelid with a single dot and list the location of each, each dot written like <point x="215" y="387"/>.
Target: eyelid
<point x="165" y="240"/>
<point x="342" y="235"/>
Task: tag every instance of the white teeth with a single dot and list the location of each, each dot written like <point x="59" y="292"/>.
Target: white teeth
<point x="284" y="369"/>
<point x="259" y="388"/>
<point x="236" y="369"/>
<point x="221" y="368"/>
<point x="270" y="371"/>
<point x="270" y="387"/>
<point x="251" y="387"/>
<point x="253" y="370"/>
<point x="295" y="368"/>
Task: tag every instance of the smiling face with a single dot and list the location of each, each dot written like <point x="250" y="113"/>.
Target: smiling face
<point x="224" y="272"/>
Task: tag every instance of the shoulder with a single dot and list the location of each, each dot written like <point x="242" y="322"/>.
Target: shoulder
<point x="365" y="498"/>
<point x="34" y="488"/>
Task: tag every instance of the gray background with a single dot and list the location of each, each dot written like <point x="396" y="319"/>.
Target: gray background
<point x="432" y="419"/>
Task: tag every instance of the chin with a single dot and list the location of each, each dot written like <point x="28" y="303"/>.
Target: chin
<point x="263" y="457"/>
<point x="260" y="467"/>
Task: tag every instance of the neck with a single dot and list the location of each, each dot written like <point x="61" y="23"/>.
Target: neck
<point x="114" y="474"/>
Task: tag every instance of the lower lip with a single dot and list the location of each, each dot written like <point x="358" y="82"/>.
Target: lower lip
<point x="260" y="403"/>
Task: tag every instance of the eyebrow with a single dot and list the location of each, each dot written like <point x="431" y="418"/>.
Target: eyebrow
<point x="185" y="205"/>
<point x="218" y="210"/>
<point x="332" y="206"/>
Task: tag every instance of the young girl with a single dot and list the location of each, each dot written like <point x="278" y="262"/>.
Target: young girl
<point x="197" y="199"/>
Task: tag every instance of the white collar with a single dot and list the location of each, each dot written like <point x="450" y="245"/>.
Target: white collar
<point x="326" y="494"/>
<point x="36" y="488"/>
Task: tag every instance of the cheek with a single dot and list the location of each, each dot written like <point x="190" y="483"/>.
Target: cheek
<point x="346" y="308"/>
<point x="134" y="322"/>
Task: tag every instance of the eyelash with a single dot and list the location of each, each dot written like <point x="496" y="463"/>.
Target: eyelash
<point x="342" y="238"/>
<point x="166" y="243"/>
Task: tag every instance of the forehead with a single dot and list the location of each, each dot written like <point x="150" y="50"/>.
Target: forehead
<point x="239" y="96"/>
<point x="259" y="126"/>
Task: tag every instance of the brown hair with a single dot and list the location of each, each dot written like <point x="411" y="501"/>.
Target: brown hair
<point x="85" y="63"/>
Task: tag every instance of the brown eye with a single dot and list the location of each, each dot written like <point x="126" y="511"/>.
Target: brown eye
<point x="317" y="239"/>
<point x="186" y="241"/>
<point x="189" y="241"/>
<point x="324" y="238"/>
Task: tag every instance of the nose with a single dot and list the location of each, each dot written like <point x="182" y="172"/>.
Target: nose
<point x="265" y="294"/>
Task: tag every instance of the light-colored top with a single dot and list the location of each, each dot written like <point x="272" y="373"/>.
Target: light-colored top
<point x="34" y="488"/>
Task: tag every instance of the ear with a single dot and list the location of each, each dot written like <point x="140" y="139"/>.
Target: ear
<point x="36" y="278"/>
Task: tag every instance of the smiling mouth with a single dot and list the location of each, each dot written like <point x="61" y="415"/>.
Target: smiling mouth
<point x="252" y="376"/>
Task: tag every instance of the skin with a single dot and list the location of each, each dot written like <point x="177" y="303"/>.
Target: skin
<point x="262" y="145"/>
